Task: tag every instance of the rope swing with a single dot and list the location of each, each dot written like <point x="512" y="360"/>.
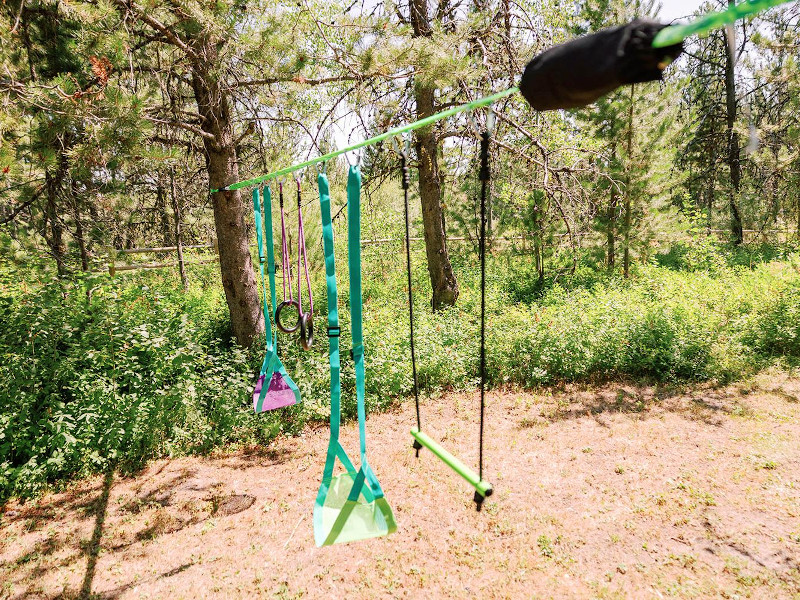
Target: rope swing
<point x="483" y="489"/>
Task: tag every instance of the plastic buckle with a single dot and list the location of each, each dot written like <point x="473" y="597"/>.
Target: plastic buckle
<point x="335" y="331"/>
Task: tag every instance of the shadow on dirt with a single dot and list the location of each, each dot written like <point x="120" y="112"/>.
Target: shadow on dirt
<point x="707" y="405"/>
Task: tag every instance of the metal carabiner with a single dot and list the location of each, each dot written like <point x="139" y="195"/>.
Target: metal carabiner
<point x="358" y="159"/>
<point x="491" y="120"/>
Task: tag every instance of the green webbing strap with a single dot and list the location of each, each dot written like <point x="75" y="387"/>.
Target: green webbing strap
<point x="270" y="251"/>
<point x="356" y="310"/>
<point x="675" y="34"/>
<point x="260" y="237"/>
<point x="271" y="361"/>
<point x="378" y="518"/>
<point x="334" y="447"/>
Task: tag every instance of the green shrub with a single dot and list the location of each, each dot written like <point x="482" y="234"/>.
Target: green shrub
<point x="98" y="373"/>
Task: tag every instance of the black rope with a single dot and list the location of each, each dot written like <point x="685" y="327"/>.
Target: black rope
<point x="485" y="176"/>
<point x="405" y="183"/>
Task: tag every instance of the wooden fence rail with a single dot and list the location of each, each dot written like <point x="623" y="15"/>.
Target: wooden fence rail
<point x="113" y="268"/>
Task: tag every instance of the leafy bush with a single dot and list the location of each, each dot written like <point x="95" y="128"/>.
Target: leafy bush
<point x="98" y="373"/>
<point x="95" y="376"/>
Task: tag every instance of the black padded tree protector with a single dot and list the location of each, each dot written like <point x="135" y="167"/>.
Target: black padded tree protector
<point x="582" y="70"/>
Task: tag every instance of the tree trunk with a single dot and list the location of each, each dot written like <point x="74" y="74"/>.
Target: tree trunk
<point x="626" y="255"/>
<point x="611" y="240"/>
<point x="236" y="265"/>
<point x="538" y="250"/>
<point x="711" y="189"/>
<point x="161" y="212"/>
<point x="52" y="222"/>
<point x="176" y="208"/>
<point x="797" y="203"/>
<point x="443" y="281"/>
<point x="79" y="235"/>
<point x="734" y="152"/>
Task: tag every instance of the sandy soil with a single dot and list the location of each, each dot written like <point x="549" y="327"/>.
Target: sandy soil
<point x="620" y="491"/>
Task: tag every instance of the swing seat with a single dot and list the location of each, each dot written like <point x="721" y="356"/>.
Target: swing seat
<point x="281" y="391"/>
<point x="279" y="394"/>
<point x="347" y="511"/>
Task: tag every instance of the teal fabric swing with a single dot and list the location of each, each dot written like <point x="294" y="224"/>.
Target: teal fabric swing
<point x="274" y="388"/>
<point x="350" y="506"/>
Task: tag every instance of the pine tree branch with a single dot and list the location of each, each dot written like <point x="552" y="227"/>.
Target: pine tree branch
<point x="312" y="82"/>
<point x="21" y="207"/>
<point x="168" y="34"/>
<point x="179" y="124"/>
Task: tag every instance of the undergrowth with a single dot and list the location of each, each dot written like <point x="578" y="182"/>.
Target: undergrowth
<point x="99" y="373"/>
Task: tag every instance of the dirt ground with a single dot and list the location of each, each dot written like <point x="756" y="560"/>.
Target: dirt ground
<point x="618" y="491"/>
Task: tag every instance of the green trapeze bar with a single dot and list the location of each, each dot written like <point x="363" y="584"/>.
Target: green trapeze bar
<point x="484" y="488"/>
<point x="675" y="34"/>
<point x="374" y="140"/>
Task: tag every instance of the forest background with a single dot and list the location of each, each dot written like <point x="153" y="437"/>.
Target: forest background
<point x="651" y="235"/>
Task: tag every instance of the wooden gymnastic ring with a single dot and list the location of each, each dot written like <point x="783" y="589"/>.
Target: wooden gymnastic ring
<point x="306" y="330"/>
<point x="278" y="322"/>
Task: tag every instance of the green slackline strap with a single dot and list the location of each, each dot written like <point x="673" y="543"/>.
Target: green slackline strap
<point x="715" y="20"/>
<point x="347" y="518"/>
<point x="333" y="315"/>
<point x="374" y="140"/>
<point x="666" y="37"/>
<point x="356" y="302"/>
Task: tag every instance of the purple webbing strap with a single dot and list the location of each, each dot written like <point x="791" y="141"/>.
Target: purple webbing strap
<point x="285" y="266"/>
<point x="301" y="248"/>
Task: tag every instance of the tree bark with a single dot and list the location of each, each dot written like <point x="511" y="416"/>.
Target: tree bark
<point x="711" y="186"/>
<point x="611" y="221"/>
<point x="236" y="265"/>
<point x="443" y="280"/>
<point x="162" y="214"/>
<point x="538" y="250"/>
<point x="734" y="152"/>
<point x="52" y="221"/>
<point x="626" y="255"/>
<point x="611" y="240"/>
<point x="176" y="207"/>
<point x="79" y="235"/>
<point x="797" y="215"/>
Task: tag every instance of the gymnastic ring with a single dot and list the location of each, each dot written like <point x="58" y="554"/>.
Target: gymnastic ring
<point x="306" y="330"/>
<point x="278" y="322"/>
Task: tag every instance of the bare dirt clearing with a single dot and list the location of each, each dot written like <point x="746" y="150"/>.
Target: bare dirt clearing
<point x="620" y="491"/>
